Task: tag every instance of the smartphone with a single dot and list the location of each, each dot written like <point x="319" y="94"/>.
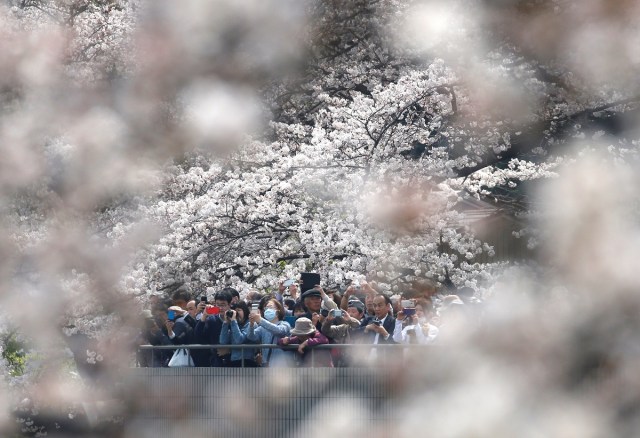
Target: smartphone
<point x="408" y="307"/>
<point x="203" y="298"/>
<point x="171" y="315"/>
<point x="213" y="310"/>
<point x="409" y="311"/>
<point x="288" y="282"/>
<point x="408" y="304"/>
<point x="308" y="280"/>
<point x="254" y="308"/>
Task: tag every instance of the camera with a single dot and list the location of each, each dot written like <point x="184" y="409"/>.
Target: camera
<point x="229" y="314"/>
<point x="336" y="313"/>
<point x="376" y="322"/>
<point x="324" y="312"/>
<point x="203" y="299"/>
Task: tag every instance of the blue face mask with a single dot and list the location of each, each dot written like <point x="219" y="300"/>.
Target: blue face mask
<point x="270" y="314"/>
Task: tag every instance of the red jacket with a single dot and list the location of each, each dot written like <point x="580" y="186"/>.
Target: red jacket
<point x="321" y="358"/>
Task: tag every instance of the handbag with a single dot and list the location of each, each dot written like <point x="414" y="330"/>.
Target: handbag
<point x="181" y="358"/>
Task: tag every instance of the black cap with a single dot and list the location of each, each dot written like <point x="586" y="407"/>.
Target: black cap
<point x="311" y="293"/>
<point x="357" y="305"/>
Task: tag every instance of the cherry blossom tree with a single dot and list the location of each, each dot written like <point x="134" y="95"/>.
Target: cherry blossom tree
<point x="373" y="143"/>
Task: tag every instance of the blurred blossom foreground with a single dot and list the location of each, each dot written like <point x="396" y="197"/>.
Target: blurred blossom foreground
<point x="461" y="174"/>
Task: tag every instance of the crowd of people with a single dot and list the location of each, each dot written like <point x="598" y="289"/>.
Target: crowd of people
<point x="294" y="324"/>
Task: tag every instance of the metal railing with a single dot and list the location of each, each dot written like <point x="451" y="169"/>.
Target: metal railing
<point x="385" y="348"/>
<point x="259" y="402"/>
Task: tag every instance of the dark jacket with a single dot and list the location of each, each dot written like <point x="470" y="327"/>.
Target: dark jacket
<point x="183" y="332"/>
<point x="208" y="332"/>
<point x="370" y="336"/>
<point x="153" y="335"/>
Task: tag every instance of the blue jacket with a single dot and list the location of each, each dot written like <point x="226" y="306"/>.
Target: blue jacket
<point x="235" y="335"/>
<point x="269" y="333"/>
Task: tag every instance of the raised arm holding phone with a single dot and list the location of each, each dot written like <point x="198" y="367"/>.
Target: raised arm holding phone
<point x="268" y="328"/>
